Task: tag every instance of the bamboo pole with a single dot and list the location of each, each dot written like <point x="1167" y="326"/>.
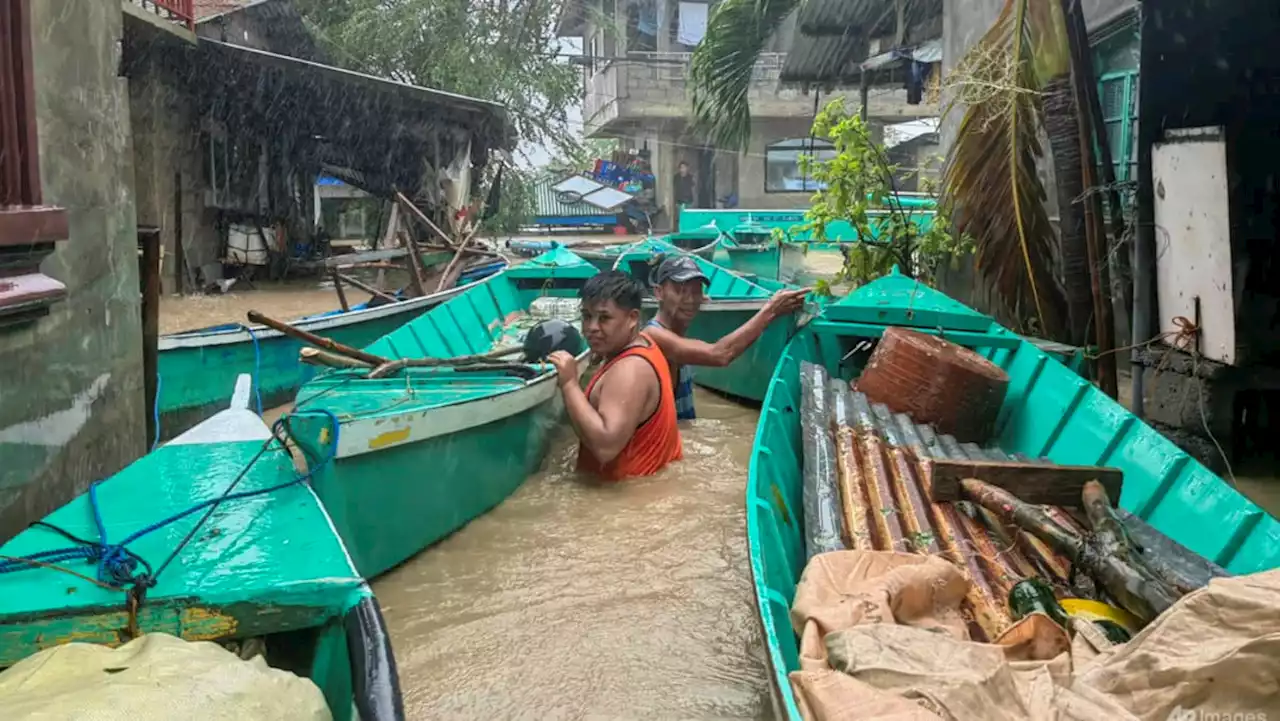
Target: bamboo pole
<point x="390" y="367"/>
<point x="416" y="279"/>
<point x="417" y="213"/>
<point x="317" y="357"/>
<point x="337" y="287"/>
<point x="452" y="271"/>
<point x="313" y="339"/>
<point x="368" y="288"/>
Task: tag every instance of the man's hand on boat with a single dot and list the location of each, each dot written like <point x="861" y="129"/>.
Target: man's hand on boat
<point x="786" y="302"/>
<point x="566" y="367"/>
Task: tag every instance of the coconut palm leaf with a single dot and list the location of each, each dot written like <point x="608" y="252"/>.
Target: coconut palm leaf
<point x="722" y="65"/>
<point x="991" y="173"/>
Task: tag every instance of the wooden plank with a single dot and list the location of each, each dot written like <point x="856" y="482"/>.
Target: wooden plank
<point x="368" y="256"/>
<point x="368" y="288"/>
<point x="417" y="213"/>
<point x="1040" y="484"/>
<point x="326" y="343"/>
<point x="416" y="279"/>
<point x="337" y="287"/>
<point x="149" y="239"/>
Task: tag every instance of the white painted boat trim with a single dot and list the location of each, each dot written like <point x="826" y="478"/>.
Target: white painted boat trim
<point x="195" y="339"/>
<point x="368" y="435"/>
<point x="236" y="424"/>
<point x="751" y="304"/>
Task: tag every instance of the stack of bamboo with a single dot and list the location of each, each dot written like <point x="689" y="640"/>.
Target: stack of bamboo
<point x="900" y="483"/>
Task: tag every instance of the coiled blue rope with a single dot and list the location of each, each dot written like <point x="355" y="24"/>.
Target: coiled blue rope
<point x="117" y="566"/>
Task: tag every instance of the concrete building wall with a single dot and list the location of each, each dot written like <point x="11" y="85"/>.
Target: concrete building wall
<point x="169" y="173"/>
<point x="71" y="388"/>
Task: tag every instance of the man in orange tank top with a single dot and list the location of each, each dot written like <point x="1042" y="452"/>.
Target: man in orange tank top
<point x="626" y="417"/>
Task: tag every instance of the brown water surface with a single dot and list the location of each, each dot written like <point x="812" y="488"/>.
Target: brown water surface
<point x="578" y="601"/>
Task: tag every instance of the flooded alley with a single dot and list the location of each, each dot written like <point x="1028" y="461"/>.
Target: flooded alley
<point x="579" y="601"/>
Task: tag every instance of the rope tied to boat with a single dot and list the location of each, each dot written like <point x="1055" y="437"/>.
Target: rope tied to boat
<point x="117" y="567"/>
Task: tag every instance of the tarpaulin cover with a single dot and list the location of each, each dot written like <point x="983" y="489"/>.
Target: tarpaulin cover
<point x="882" y="638"/>
<point x="156" y="677"/>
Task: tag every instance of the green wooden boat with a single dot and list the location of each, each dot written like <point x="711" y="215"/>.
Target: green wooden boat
<point x="702" y="244"/>
<point x="752" y="249"/>
<point x="837" y="233"/>
<point x="1050" y="413"/>
<point x="425" y="450"/>
<point x="197" y="368"/>
<point x="265" y="563"/>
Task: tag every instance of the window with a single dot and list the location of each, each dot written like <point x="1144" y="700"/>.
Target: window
<point x="782" y="173"/>
<point x="28" y="228"/>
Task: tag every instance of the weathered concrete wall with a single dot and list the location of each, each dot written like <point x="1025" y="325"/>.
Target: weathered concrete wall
<point x="71" y="392"/>
<point x="168" y="168"/>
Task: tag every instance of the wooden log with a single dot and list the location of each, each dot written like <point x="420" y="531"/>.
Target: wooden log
<point x="452" y="271"/>
<point x="417" y="213"/>
<point x="416" y="281"/>
<point x="821" y="499"/>
<point x="935" y="382"/>
<point x="337" y="288"/>
<point x="1040" y="484"/>
<point x="313" y="339"/>
<point x="392" y="366"/>
<point x="368" y="288"/>
<point x="317" y="357"/>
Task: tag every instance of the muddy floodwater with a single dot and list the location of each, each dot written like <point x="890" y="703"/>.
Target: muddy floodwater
<point x="579" y="601"/>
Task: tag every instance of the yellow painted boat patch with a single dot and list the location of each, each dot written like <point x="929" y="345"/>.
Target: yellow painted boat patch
<point x="390" y="438"/>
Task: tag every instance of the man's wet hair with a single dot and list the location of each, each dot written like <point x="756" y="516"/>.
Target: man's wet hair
<point x="613" y="285"/>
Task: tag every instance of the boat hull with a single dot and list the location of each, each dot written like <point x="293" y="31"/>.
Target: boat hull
<point x="776" y="261"/>
<point x="399" y="498"/>
<point x="266" y="565"/>
<point x="1049" y="413"/>
<point x="747" y="377"/>
<point x="196" y="369"/>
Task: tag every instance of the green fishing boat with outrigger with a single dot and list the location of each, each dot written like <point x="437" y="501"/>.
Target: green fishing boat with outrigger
<point x="832" y="469"/>
<point x="197" y="368"/>
<point x="213" y="536"/>
<point x="435" y="429"/>
<point x="702" y="243"/>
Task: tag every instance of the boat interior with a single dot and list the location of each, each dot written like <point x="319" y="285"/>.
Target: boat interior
<point x="1049" y="415"/>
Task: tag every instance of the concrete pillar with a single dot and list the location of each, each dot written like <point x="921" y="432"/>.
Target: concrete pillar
<point x="665" y="10"/>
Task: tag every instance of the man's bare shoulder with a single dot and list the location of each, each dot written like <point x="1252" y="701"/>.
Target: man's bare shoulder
<point x="632" y="373"/>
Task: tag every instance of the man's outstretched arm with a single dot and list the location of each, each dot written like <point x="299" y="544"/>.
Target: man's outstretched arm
<point x="690" y="351"/>
<point x="624" y="392"/>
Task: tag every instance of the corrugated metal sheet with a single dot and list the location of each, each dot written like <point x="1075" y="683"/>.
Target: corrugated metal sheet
<point x="547" y="202"/>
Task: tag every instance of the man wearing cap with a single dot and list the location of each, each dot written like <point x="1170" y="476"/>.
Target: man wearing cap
<point x="678" y="285"/>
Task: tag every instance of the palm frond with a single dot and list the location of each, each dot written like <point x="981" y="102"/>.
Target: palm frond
<point x="991" y="177"/>
<point x="722" y="65"/>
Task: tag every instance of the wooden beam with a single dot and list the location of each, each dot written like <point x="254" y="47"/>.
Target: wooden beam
<point x="416" y="279"/>
<point x="337" y="288"/>
<point x="417" y="213"/>
<point x="309" y="337"/>
<point x="368" y="288"/>
<point x="1035" y="483"/>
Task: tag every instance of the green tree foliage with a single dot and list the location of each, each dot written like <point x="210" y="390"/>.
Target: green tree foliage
<point x="858" y="179"/>
<point x="502" y="50"/>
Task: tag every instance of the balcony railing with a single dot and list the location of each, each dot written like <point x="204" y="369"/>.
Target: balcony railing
<point x="182" y="12"/>
<point x="674" y="67"/>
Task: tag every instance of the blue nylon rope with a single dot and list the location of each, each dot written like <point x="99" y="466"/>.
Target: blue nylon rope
<point x="117" y="567"/>
<point x="155" y="410"/>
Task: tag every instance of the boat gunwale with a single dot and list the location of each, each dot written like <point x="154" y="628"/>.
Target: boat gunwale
<point x="228" y="335"/>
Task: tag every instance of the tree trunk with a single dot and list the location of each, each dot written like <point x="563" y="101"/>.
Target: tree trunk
<point x="1073" y="259"/>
